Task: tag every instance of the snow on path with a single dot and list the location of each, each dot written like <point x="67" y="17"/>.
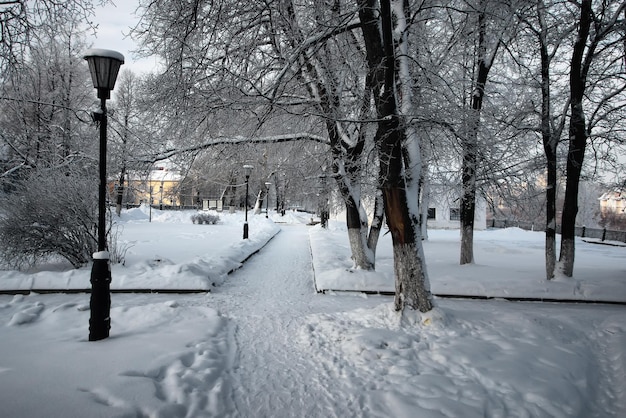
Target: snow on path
<point x="611" y="340"/>
<point x="268" y="301"/>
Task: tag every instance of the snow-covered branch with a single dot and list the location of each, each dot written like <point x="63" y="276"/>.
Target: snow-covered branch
<point x="273" y="139"/>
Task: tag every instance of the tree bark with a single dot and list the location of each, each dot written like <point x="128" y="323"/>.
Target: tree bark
<point x="550" y="141"/>
<point x="120" y="191"/>
<point x="577" y="142"/>
<point x="412" y="287"/>
<point x="469" y="143"/>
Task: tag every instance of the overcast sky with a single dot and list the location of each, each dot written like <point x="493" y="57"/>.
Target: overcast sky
<point x="114" y="23"/>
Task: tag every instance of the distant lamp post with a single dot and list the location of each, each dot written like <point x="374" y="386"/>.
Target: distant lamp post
<point x="104" y="66"/>
<point x="161" y="198"/>
<point x="267" y="200"/>
<point x="247" y="169"/>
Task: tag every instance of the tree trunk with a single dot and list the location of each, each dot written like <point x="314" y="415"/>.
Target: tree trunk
<point x="377" y="222"/>
<point x="424" y="202"/>
<point x="258" y="203"/>
<point x="412" y="287"/>
<point x="550" y="249"/>
<point x="577" y="143"/>
<point x="470" y="142"/>
<point x="362" y="257"/>
<point x="550" y="142"/>
<point x="468" y="196"/>
<point x="120" y="192"/>
<point x="396" y="164"/>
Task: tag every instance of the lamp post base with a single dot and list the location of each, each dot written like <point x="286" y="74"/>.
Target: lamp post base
<point x="100" y="303"/>
<point x="245" y="230"/>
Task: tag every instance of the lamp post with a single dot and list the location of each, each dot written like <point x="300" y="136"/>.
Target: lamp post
<point x="267" y="199"/>
<point x="247" y="169"/>
<point x="104" y="65"/>
<point x="161" y="199"/>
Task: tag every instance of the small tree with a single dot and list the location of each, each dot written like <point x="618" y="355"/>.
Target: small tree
<point x="51" y="213"/>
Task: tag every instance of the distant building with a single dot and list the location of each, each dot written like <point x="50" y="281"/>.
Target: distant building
<point x="160" y="186"/>
<point x="613" y="203"/>
<point x="444" y="209"/>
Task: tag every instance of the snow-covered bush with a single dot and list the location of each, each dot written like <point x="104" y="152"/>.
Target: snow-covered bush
<point x="49" y="213"/>
<point x="205" y="218"/>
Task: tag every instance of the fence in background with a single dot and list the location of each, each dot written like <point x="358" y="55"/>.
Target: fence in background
<point x="581" y="231"/>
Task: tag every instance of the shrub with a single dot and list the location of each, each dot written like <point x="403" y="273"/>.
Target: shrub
<point x="49" y="213"/>
<point x="204" y="218"/>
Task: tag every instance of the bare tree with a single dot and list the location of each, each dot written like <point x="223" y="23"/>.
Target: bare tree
<point x="489" y="40"/>
<point x="126" y="115"/>
<point x="22" y="21"/>
<point x="593" y="62"/>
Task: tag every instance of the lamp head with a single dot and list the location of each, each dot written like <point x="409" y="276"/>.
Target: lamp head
<point x="104" y="66"/>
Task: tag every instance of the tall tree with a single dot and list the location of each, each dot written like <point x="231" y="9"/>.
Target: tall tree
<point x="595" y="40"/>
<point x="488" y="43"/>
<point x="398" y="146"/>
<point x="47" y="161"/>
<point x="547" y="22"/>
<point x="126" y="113"/>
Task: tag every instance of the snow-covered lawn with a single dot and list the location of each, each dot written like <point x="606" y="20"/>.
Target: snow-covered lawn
<point x="170" y="252"/>
<point x="263" y="343"/>
<point x="508" y="263"/>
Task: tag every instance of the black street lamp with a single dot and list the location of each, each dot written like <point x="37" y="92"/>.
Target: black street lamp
<point x="247" y="169"/>
<point x="104" y="65"/>
<point x="267" y="199"/>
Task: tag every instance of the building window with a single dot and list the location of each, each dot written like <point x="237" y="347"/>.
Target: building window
<point x="455" y="214"/>
<point x="432" y="213"/>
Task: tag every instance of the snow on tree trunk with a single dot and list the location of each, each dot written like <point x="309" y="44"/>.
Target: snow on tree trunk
<point x="377" y="222"/>
<point x="399" y="159"/>
<point x="424" y="201"/>
<point x="258" y="203"/>
<point x="412" y="286"/>
<point x="362" y="257"/>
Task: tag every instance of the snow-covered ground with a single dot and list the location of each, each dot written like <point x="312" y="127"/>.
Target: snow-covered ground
<point x="264" y="343"/>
